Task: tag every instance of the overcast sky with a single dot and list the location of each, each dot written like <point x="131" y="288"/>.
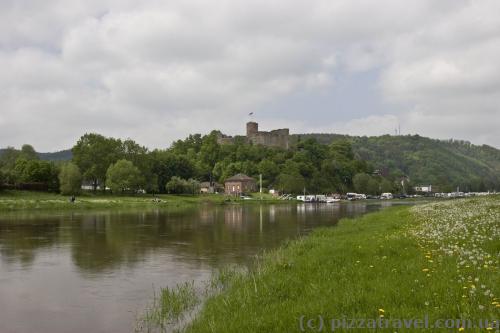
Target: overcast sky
<point x="158" y="70"/>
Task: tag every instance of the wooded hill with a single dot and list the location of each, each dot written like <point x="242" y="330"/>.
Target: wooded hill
<point x="445" y="163"/>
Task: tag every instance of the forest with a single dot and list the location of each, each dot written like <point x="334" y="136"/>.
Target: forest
<point x="316" y="163"/>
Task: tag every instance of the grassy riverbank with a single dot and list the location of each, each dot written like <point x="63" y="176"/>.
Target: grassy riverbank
<point x="439" y="259"/>
<point x="27" y="200"/>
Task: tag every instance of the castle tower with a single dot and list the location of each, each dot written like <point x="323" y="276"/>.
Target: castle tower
<point x="252" y="128"/>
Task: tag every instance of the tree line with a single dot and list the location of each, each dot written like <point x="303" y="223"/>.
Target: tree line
<point x="124" y="166"/>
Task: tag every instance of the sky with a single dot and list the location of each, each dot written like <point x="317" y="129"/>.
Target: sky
<point x="159" y="70"/>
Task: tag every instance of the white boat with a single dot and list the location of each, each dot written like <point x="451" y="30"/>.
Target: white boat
<point x="351" y="196"/>
<point x="332" y="200"/>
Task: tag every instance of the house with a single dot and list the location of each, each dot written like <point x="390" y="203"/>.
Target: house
<point x="211" y="187"/>
<point x="239" y="184"/>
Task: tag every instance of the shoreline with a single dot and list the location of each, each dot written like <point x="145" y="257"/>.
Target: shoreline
<point x="383" y="265"/>
<point x="27" y="201"/>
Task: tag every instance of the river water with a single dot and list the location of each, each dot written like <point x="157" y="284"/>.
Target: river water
<point x="96" y="271"/>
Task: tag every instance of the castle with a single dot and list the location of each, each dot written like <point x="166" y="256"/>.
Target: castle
<point x="275" y="138"/>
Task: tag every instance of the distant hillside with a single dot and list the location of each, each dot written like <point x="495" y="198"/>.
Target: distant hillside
<point x="424" y="160"/>
<point x="63" y="155"/>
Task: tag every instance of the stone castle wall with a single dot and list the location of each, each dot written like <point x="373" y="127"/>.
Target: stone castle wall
<point x="277" y="138"/>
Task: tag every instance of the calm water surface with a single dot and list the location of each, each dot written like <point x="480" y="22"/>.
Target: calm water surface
<point x="95" y="271"/>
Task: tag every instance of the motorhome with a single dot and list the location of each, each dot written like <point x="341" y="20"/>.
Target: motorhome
<point x="386" y="196"/>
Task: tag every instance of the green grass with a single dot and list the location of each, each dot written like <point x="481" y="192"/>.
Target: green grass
<point x="168" y="308"/>
<point x="27" y="200"/>
<point x="392" y="263"/>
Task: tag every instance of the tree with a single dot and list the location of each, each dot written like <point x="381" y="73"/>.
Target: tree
<point x="8" y="159"/>
<point x="70" y="179"/>
<point x="166" y="164"/>
<point x="386" y="186"/>
<point x="193" y="186"/>
<point x="28" y="152"/>
<point x="291" y="183"/>
<point x="36" y="171"/>
<point x="124" y="176"/>
<point x="93" y="154"/>
<point x="360" y="182"/>
<point x="177" y="185"/>
<point x="373" y="186"/>
<point x="269" y="170"/>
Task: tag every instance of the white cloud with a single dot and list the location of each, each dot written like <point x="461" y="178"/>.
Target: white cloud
<point x="157" y="71"/>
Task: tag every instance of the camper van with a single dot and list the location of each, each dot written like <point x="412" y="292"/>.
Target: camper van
<point x="386" y="196"/>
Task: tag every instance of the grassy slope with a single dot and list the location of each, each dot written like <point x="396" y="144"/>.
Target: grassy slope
<point x="354" y="270"/>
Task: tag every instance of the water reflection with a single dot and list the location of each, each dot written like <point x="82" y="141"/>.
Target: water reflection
<point x="107" y="262"/>
<point x="103" y="240"/>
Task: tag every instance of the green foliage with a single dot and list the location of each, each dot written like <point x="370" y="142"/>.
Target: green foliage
<point x="386" y="186"/>
<point x="94" y="153"/>
<point x="177" y="185"/>
<point x="320" y="163"/>
<point x="70" y="179"/>
<point x="310" y="165"/>
<point x="291" y="182"/>
<point x="123" y="176"/>
<point x="361" y="182"/>
<point x="444" y="164"/>
<point x="7" y="163"/>
<point x="373" y="186"/>
<point x="166" y="164"/>
<point x="28" y="152"/>
<point x="36" y="171"/>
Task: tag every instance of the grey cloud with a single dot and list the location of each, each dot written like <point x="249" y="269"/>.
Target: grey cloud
<point x="157" y="71"/>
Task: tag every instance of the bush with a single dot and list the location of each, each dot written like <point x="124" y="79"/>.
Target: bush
<point x="177" y="185"/>
<point x="70" y="179"/>
<point x="124" y="176"/>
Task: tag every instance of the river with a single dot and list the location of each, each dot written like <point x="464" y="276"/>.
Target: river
<point x="96" y="271"/>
